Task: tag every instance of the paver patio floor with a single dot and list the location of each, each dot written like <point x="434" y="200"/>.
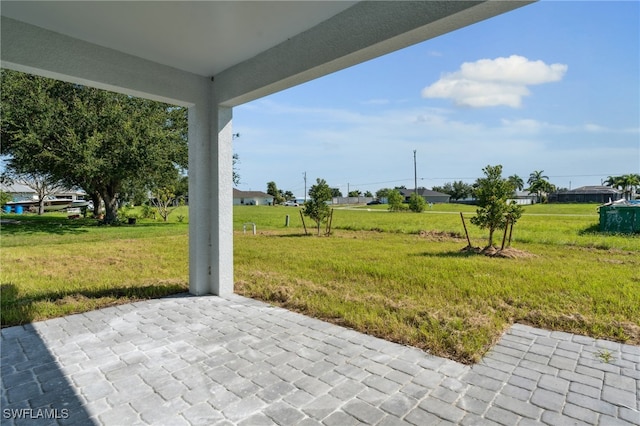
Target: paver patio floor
<point x="232" y="360"/>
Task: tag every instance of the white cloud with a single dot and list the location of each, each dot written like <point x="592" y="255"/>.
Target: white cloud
<point x="376" y="102"/>
<point x="494" y="82"/>
<point x="594" y="128"/>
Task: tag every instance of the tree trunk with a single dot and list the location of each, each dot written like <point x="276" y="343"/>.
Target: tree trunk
<point x="95" y="199"/>
<point x="110" y="198"/>
<point x="490" y="237"/>
<point x="41" y="206"/>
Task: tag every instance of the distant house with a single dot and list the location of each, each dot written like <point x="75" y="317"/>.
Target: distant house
<point x="251" y="198"/>
<point x="586" y="194"/>
<point x="428" y="195"/>
<point x="524" y="198"/>
<point x="20" y="192"/>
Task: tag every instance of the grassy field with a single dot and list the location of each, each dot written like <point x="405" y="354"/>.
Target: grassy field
<point x="400" y="276"/>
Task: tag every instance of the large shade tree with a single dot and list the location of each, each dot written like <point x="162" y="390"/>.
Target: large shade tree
<point x="457" y="190"/>
<point x="90" y="138"/>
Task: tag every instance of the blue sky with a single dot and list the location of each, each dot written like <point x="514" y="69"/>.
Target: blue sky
<point x="552" y="86"/>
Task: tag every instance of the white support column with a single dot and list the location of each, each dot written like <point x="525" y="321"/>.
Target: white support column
<point x="222" y="208"/>
<point x="199" y="196"/>
<point x="210" y="199"/>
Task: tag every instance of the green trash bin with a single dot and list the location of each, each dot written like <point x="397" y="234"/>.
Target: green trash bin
<point x="622" y="219"/>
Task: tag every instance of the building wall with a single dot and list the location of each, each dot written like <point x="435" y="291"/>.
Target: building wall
<point x="584" y="197"/>
<point x="252" y="201"/>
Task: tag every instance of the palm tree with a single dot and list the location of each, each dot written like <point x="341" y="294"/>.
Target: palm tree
<point x="612" y="181"/>
<point x="635" y="182"/>
<point x="629" y="183"/>
<point x="539" y="184"/>
<point x="517" y="182"/>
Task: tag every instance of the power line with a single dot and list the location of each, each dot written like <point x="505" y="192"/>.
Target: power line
<point x="408" y="179"/>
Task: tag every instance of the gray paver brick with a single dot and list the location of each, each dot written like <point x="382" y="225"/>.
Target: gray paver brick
<point x="540" y="368"/>
<point x="313" y="386"/>
<point x="580" y="413"/>
<point x="585" y="390"/>
<point x="553" y="384"/>
<point x="283" y="413"/>
<point x="503" y="417"/>
<point x="414" y="390"/>
<point x="553" y="418"/>
<point x="364" y="412"/>
<point x="255" y="420"/>
<point x="442" y="409"/>
<point x="420" y="417"/>
<point x="275" y="391"/>
<point x="381" y="384"/>
<point x="341" y="419"/>
<point x="620" y="397"/>
<point x="472" y="405"/>
<point x="347" y="390"/>
<point x="482" y="381"/>
<point x="563" y="363"/>
<point x="445" y="394"/>
<point x="321" y="407"/>
<point x="122" y="414"/>
<point x="391" y="420"/>
<point x="399" y="404"/>
<point x="517" y="406"/>
<point x="620" y="382"/>
<point x="428" y="379"/>
<point x="242" y="408"/>
<point x="547" y="400"/>
<point x="592" y="404"/>
<point x="580" y="378"/>
<point x="631" y="416"/>
<point x="372" y="396"/>
<point x="399" y="377"/>
<point x="516" y="392"/>
<point x="474" y="420"/>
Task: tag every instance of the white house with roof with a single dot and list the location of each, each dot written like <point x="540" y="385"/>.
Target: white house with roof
<point x="251" y="198"/>
<point x="19" y="191"/>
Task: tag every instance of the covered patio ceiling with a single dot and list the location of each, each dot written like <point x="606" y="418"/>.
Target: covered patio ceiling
<point x="201" y="37"/>
<point x="211" y="56"/>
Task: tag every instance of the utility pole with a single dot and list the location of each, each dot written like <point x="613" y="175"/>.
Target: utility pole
<point x="415" y="172"/>
<point x="305" y="187"/>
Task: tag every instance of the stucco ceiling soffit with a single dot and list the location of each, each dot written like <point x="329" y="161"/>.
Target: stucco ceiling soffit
<point x="201" y="37"/>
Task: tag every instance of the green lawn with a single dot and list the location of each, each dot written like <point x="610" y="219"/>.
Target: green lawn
<point x="400" y="276"/>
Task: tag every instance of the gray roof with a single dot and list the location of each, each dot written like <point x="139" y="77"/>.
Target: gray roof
<point x="16" y="188"/>
<point x="595" y="189"/>
<point x="423" y="192"/>
<point x="250" y="194"/>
